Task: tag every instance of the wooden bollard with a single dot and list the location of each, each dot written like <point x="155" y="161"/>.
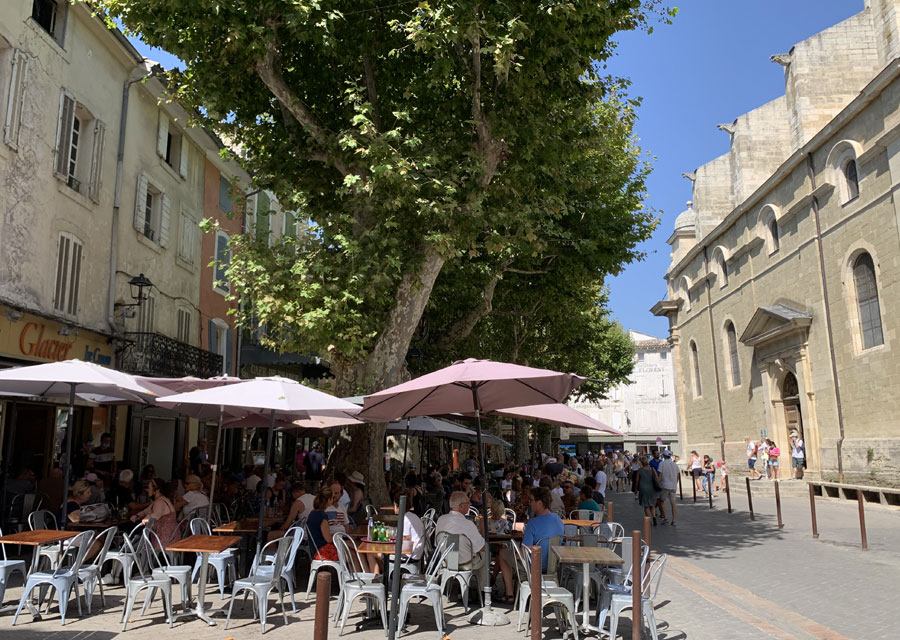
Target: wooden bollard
<point x="709" y="487"/>
<point x="862" y="521"/>
<point x="680" y="490"/>
<point x="609" y="512"/>
<point x="647" y="530"/>
<point x="323" y="594"/>
<point x="727" y="481"/>
<point x="636" y="584"/>
<point x="750" y="499"/>
<point x="694" y="488"/>
<point x="778" y="505"/>
<point x="535" y="579"/>
<point x="812" y="511"/>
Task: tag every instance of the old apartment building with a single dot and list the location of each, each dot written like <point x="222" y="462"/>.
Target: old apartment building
<point x="785" y="266"/>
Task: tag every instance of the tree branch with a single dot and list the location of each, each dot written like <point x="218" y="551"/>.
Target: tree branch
<point x="369" y="68"/>
<point x="463" y="327"/>
<point x="491" y="150"/>
<point x="269" y="71"/>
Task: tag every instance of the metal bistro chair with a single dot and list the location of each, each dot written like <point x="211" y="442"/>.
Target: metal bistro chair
<point x="7" y="568"/>
<point x="551" y="595"/>
<point x="124" y="555"/>
<point x="219" y="514"/>
<point x="159" y="567"/>
<point x="361" y="575"/>
<point x="510" y="515"/>
<point x="221" y="562"/>
<point x="63" y="578"/>
<point x="20" y="507"/>
<point x="649" y="589"/>
<point x="262" y="584"/>
<point x="144" y="580"/>
<point x="609" y="591"/>
<point x="523" y="575"/>
<point x="371" y="511"/>
<point x="451" y="570"/>
<point x="44" y="519"/>
<point x="610" y="532"/>
<point x="90" y="574"/>
<point x="356" y="586"/>
<point x="317" y="565"/>
<point x="265" y="562"/>
<point x="426" y="587"/>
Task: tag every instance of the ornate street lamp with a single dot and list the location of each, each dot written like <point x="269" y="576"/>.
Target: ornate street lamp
<point x="137" y="284"/>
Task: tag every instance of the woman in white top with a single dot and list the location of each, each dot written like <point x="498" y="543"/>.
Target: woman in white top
<point x="696" y="466"/>
<point x="413" y="536"/>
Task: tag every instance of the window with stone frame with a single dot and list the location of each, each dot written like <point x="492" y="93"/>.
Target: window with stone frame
<point x="867" y="301"/>
<point x="851" y="180"/>
<point x="79" y="147"/>
<point x="695" y="368"/>
<point x="733" y="360"/>
<point x="51" y="15"/>
<point x="152" y="210"/>
<point x="69" y="254"/>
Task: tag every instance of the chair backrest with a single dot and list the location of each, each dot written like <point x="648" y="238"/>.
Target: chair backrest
<point x="473" y="512"/>
<point x="510" y="515"/>
<point x="77" y="547"/>
<point x="589" y="539"/>
<point x="433" y="572"/>
<point x="345" y="559"/>
<point x="429" y="514"/>
<point x="199" y="526"/>
<point x="371" y="511"/>
<point x="3" y="546"/>
<point x="452" y="541"/>
<point x="645" y="551"/>
<point x="155" y="550"/>
<point x="296" y="534"/>
<point x="650" y="583"/>
<point x="218" y="514"/>
<point x="42" y="519"/>
<point x="281" y="552"/>
<point x="108" y="535"/>
<point x="137" y="552"/>
<point x="552" y="560"/>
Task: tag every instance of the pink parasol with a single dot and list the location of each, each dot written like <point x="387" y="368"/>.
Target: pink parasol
<point x="558" y="413"/>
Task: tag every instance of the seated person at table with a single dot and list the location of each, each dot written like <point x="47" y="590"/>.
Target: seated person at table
<point x="301" y="507"/>
<point x="556" y="502"/>
<point x="570" y="497"/>
<point x="162" y="510"/>
<point x="336" y="512"/>
<point x="497" y="523"/>
<point x="413" y="530"/>
<point x="193" y="499"/>
<point x="120" y="494"/>
<point x="79" y="495"/>
<point x="471" y="556"/>
<point x="538" y="531"/>
<point x="319" y="529"/>
<point x="587" y="500"/>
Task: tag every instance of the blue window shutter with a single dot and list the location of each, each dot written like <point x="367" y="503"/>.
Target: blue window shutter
<point x="229" y="351"/>
<point x="211" y="340"/>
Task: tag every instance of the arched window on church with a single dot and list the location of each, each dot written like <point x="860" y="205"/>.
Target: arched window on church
<point x="851" y="180"/>
<point x="695" y="367"/>
<point x="734" y="362"/>
<point x="867" y="301"/>
<point x="774" y="237"/>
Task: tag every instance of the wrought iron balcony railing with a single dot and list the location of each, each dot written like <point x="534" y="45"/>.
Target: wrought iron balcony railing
<point x="153" y="354"/>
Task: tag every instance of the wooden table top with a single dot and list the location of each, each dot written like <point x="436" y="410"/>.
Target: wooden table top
<point x="590" y="555"/>
<point x="204" y="544"/>
<point x="380" y="548"/>
<point x="37" y="537"/>
<point x="583" y="523"/>
<point x="247" y="525"/>
<point x="512" y="535"/>
<point x="358" y="532"/>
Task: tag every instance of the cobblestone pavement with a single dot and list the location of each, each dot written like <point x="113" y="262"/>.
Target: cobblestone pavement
<point x="726" y="578"/>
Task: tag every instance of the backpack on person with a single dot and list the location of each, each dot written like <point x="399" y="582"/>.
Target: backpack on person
<point x="91" y="513"/>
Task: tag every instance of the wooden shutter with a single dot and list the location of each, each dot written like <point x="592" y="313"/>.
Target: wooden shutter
<point x="229" y="351"/>
<point x="17" y="80"/>
<point x="162" y="134"/>
<point x="164" y="212"/>
<point x="97" y="160"/>
<point x="140" y="199"/>
<point x="62" y="272"/>
<point x="211" y="336"/>
<point x="64" y="133"/>
<point x="186" y="246"/>
<point x="74" y="279"/>
<point x="185" y="155"/>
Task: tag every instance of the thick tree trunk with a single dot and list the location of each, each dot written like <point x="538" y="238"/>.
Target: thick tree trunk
<point x="362" y="448"/>
<point x="520" y="440"/>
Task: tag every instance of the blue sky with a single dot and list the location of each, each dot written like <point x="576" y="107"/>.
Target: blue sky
<point x="710" y="66"/>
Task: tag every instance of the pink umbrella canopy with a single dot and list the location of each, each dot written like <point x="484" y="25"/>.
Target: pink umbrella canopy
<point x="468" y="386"/>
<point x="558" y="413"/>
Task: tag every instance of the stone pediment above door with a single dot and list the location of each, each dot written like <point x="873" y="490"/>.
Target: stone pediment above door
<point x="775" y="323"/>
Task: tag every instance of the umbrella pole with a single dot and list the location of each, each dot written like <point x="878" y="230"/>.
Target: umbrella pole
<point x="265" y="481"/>
<point x="70" y="421"/>
<point x="486" y="616"/>
<point x="215" y="464"/>
<point x="405" y="447"/>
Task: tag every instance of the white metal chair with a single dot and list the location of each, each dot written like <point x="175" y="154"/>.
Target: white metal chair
<point x="523" y="576"/>
<point x="219" y="514"/>
<point x="556" y="596"/>
<point x="510" y="515"/>
<point x="362" y="575"/>
<point x="90" y="574"/>
<point x="427" y="587"/>
<point x="371" y="511"/>
<point x="221" y="562"/>
<point x="143" y="580"/>
<point x="123" y="556"/>
<point x="261" y="585"/>
<point x="354" y="585"/>
<point x="649" y="589"/>
<point x="317" y="565"/>
<point x="44" y="519"/>
<point x="265" y="562"/>
<point x="473" y="512"/>
<point x="451" y="568"/>
<point x="160" y="566"/>
<point x="610" y="590"/>
<point x="587" y="514"/>
<point x="609" y="532"/>
<point x="7" y="569"/>
<point x="63" y="578"/>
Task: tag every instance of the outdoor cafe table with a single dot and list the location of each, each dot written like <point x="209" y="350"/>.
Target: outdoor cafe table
<point x="587" y="556"/>
<point x="583" y="523"/>
<point x="35" y="539"/>
<point x="204" y="545"/>
<point x="117" y="522"/>
<point x="246" y="528"/>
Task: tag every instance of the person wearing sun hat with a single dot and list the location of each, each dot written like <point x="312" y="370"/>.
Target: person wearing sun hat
<point x="356" y="486"/>
<point x="798" y="455"/>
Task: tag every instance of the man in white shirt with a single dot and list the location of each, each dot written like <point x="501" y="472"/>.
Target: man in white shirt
<point x="798" y="455"/>
<point x="413" y="537"/>
<point x="600" y="477"/>
<point x="193" y="498"/>
<point x="576" y="467"/>
<point x="751" y="458"/>
<point x="668" y="480"/>
<point x="471" y="556"/>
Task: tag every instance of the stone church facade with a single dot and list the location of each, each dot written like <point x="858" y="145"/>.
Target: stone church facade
<point x="785" y="267"/>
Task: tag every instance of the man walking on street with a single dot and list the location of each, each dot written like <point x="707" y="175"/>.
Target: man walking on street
<point x="751" y="458"/>
<point x="668" y="480"/>
<point x="798" y="456"/>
